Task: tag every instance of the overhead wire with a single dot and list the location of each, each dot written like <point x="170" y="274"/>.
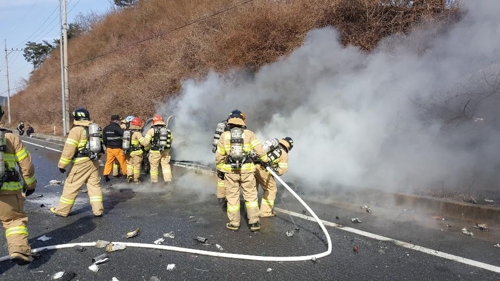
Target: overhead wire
<point x="39" y="27"/>
<point x="24" y="17"/>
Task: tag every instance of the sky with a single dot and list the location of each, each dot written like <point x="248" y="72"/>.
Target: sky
<point x="419" y="112"/>
<point x="34" y="20"/>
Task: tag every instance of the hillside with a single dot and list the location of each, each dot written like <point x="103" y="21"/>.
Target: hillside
<point x="137" y="57"/>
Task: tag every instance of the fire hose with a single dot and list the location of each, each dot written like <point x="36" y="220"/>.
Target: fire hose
<point x="210" y="253"/>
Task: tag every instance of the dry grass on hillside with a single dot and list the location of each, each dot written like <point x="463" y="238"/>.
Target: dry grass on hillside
<point x="110" y="73"/>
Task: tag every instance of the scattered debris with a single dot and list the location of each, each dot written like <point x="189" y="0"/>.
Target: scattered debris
<point x="448" y="225"/>
<point x="111" y="247"/>
<point x="337" y="217"/>
<point x="100" y="259"/>
<point x="467" y="232"/>
<point x="366" y="208"/>
<point x="269" y="270"/>
<point x="64" y="276"/>
<point x="101" y="243"/>
<point x="489" y="200"/>
<point x="472" y="200"/>
<point x="94" y="268"/>
<point x="201" y="239"/>
<point x="38" y="196"/>
<point x="54" y="182"/>
<point x="133" y="233"/>
<point x="42" y="205"/>
<point x="159" y="241"/>
<point x="355" y="248"/>
<point x="191" y="217"/>
<point x="478" y="119"/>
<point x="355" y="220"/>
<point x="171" y="267"/>
<point x="219" y="247"/>
<point x="44" y="238"/>
<point x="313" y="259"/>
<point x="497" y="245"/>
<point x="169" y="235"/>
<point x="290" y="233"/>
<point x="481" y="227"/>
<point x="80" y="249"/>
<point x="114" y="279"/>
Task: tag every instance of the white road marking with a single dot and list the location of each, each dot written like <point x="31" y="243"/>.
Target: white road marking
<point x="35" y="144"/>
<point x="397" y="242"/>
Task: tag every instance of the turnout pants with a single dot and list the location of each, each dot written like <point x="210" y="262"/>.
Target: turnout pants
<point x="81" y="173"/>
<point x="14" y="221"/>
<point x="248" y="183"/>
<point x="111" y="155"/>
<point x="116" y="168"/>
<point x="268" y="183"/>
<point x="221" y="188"/>
<point x="157" y="158"/>
<point x="134" y="162"/>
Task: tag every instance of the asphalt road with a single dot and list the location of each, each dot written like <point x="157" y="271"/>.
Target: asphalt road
<point x="189" y="209"/>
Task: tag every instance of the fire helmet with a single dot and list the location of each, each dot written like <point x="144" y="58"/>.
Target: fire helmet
<point x="158" y="120"/>
<point x="136" y="121"/>
<point x="81" y="114"/>
<point x="129" y="118"/>
<point x="237" y="114"/>
<point x="287" y="142"/>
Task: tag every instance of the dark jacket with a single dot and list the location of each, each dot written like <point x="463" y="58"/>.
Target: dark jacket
<point x="112" y="135"/>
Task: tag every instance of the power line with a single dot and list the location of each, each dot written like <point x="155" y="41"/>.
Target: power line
<point x="29" y="37"/>
<point x="22" y="20"/>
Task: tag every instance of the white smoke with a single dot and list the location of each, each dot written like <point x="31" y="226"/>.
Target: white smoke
<point x="407" y="115"/>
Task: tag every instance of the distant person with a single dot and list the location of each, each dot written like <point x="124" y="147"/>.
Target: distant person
<point x="20" y="128"/>
<point x="30" y="130"/>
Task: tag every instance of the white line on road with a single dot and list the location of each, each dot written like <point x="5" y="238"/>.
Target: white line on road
<point x="397" y="242"/>
<point x="35" y="144"/>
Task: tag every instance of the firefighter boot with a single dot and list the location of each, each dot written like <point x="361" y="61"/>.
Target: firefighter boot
<point x="130" y="179"/>
<point x="255" y="227"/>
<point x="20" y="259"/>
<point x="232" y="227"/>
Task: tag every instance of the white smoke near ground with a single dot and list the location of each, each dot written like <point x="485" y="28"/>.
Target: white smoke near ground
<point x="420" y="111"/>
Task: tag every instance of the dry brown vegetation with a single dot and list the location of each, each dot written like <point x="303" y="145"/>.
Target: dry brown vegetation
<point x="137" y="56"/>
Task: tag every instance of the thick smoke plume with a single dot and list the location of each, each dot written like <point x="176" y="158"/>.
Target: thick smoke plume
<point x="419" y="112"/>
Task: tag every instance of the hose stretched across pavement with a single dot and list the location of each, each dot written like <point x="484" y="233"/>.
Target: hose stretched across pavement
<point x="210" y="253"/>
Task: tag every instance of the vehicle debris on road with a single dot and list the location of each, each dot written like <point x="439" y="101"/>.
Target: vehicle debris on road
<point x="159" y="241"/>
<point x="489" y="200"/>
<point x="481" y="226"/>
<point x="101" y="243"/>
<point x="269" y="270"/>
<point x="133" y="233"/>
<point x="219" y="247"/>
<point x="366" y="208"/>
<point x="201" y="239"/>
<point x="55" y="182"/>
<point x="467" y="232"/>
<point x="94" y="268"/>
<point x="44" y="238"/>
<point x="171" y="267"/>
<point x="100" y="259"/>
<point x="355" y="248"/>
<point x="63" y="275"/>
<point x="290" y="233"/>
<point x="355" y="220"/>
<point x="112" y="247"/>
<point x="497" y="245"/>
<point x="80" y="249"/>
<point x="114" y="279"/>
<point x="171" y="234"/>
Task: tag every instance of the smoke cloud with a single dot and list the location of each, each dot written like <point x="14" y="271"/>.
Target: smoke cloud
<point x="420" y="111"/>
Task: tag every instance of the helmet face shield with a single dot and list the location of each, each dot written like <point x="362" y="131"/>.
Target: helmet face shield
<point x="81" y="114"/>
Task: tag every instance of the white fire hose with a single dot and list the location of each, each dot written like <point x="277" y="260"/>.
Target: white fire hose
<point x="210" y="253"/>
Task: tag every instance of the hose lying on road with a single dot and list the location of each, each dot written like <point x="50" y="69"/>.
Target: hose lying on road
<point x="209" y="253"/>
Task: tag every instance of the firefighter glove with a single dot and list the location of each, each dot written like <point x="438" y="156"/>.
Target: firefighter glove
<point x="220" y="175"/>
<point x="62" y="170"/>
<point x="214" y="149"/>
<point x="29" y="192"/>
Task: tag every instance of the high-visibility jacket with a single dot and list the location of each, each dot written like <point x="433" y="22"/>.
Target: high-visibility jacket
<point x="250" y="142"/>
<point x="137" y="141"/>
<point x="16" y="154"/>
<point x="76" y="141"/>
<point x="280" y="164"/>
<point x="150" y="138"/>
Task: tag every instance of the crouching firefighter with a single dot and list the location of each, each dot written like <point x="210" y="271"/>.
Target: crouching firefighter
<point x="277" y="153"/>
<point x="233" y="152"/>
<point x="13" y="153"/>
<point x="159" y="138"/>
<point x="83" y="149"/>
<point x="132" y="145"/>
<point x="221" y="128"/>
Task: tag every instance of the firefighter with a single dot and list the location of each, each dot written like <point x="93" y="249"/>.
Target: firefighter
<point x="12" y="215"/>
<point x="277" y="153"/>
<point x="222" y="127"/>
<point x="83" y="148"/>
<point x="159" y="139"/>
<point x="133" y="143"/>
<point x="233" y="152"/>
<point x="112" y="137"/>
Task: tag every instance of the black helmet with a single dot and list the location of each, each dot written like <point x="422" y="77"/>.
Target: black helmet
<point x="237" y="114"/>
<point x="81" y="114"/>
<point x="287" y="142"/>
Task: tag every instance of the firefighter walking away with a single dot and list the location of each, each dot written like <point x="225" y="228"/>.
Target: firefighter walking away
<point x="159" y="139"/>
<point x="133" y="143"/>
<point x="233" y="152"/>
<point x="13" y="153"/>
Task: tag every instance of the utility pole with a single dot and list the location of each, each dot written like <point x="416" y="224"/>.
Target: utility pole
<point x="64" y="68"/>
<point x="7" y="75"/>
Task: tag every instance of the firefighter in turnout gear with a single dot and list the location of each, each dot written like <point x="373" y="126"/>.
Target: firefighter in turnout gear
<point x="133" y="142"/>
<point x="277" y="153"/>
<point x="13" y="153"/>
<point x="159" y="139"/>
<point x="221" y="128"/>
<point x="233" y="152"/>
<point x="112" y="137"/>
<point x="124" y="124"/>
<point x="83" y="149"/>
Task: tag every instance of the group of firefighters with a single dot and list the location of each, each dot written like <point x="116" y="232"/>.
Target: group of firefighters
<point x="241" y="160"/>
